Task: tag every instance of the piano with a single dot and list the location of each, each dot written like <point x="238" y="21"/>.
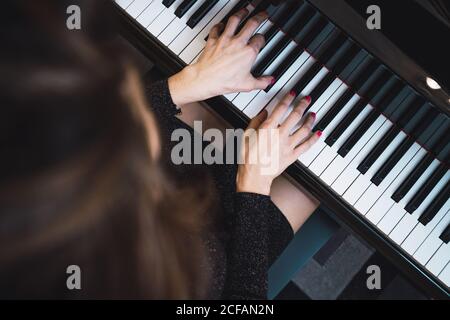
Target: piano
<point x="382" y="163"/>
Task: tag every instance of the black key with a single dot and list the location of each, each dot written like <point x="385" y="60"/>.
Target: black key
<point x="393" y="159"/>
<point x="184" y="7"/>
<point x="285" y="14"/>
<point x="387" y="139"/>
<point x="370" y="119"/>
<point x="334" y="73"/>
<point x="270" y="57"/>
<point x="240" y="5"/>
<point x="357" y="108"/>
<point x="375" y="153"/>
<point x="265" y="5"/>
<point x="437" y="203"/>
<point x="445" y="236"/>
<point x="168" y="3"/>
<point x="297" y="51"/>
<point x="307" y="77"/>
<point x="426" y="188"/>
<point x="328" y="50"/>
<point x="343" y="100"/>
<point x="270" y="34"/>
<point x="201" y="12"/>
<point x="407" y="184"/>
<point x="410" y="112"/>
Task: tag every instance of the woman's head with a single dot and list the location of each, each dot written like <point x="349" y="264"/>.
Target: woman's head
<point x="80" y="180"/>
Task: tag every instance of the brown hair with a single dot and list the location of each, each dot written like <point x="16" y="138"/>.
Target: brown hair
<point x="77" y="183"/>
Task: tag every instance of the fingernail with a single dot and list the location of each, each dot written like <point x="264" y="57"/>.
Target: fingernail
<point x="292" y="93"/>
<point x="243" y="11"/>
<point x="272" y="81"/>
<point x="319" y="133"/>
<point x="262" y="111"/>
<point x="313" y="114"/>
<point x="308" y="99"/>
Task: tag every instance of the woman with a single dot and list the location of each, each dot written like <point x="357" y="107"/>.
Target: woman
<point x="84" y="182"/>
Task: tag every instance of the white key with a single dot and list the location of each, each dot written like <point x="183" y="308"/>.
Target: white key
<point x="315" y="81"/>
<point x="188" y="34"/>
<point x="409" y="221"/>
<point x="445" y="275"/>
<point x="432" y="242"/>
<point x="328" y="98"/>
<point x="163" y="19"/>
<point x="195" y="46"/>
<point x="230" y="96"/>
<point x="244" y="98"/>
<point x="137" y="7"/>
<point x="391" y="219"/>
<point x="361" y="184"/>
<point x="177" y="25"/>
<point x="313" y="153"/>
<point x="369" y="197"/>
<point x="270" y="45"/>
<point x="124" y="3"/>
<point x="382" y="205"/>
<point x="151" y="13"/>
<point x="280" y="88"/>
<point x="349" y="173"/>
<point x="326" y="154"/>
<point x="440" y="259"/>
<point x="420" y="232"/>
<point x="339" y="163"/>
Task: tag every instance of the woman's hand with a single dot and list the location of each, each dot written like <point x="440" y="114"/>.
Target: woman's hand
<point x="225" y="64"/>
<point x="280" y="150"/>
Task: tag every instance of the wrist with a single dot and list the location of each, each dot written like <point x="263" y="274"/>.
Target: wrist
<point x="258" y="185"/>
<point x="182" y="86"/>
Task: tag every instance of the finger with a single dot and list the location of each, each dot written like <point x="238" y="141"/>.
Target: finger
<point x="233" y="22"/>
<point x="307" y="144"/>
<point x="281" y="109"/>
<point x="297" y="114"/>
<point x="215" y="32"/>
<point x="251" y="26"/>
<point x="257" y="42"/>
<point x="262" y="83"/>
<point x="256" y="122"/>
<point x="304" y="131"/>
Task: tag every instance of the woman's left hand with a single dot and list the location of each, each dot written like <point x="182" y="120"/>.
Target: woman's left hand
<point x="225" y="64"/>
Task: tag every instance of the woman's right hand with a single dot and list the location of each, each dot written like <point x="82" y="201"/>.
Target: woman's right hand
<point x="272" y="143"/>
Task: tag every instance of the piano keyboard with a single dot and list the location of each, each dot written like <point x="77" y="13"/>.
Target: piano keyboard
<point x="384" y="149"/>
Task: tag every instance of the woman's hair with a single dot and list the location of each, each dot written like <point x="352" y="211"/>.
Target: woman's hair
<point x="77" y="183"/>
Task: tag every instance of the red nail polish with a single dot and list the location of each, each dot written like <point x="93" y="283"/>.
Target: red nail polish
<point x="319" y="133"/>
<point x="308" y="99"/>
<point x="313" y="114"/>
<point x="292" y="93"/>
<point x="272" y="81"/>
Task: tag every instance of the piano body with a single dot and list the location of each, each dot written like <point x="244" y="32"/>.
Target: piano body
<point x="382" y="162"/>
